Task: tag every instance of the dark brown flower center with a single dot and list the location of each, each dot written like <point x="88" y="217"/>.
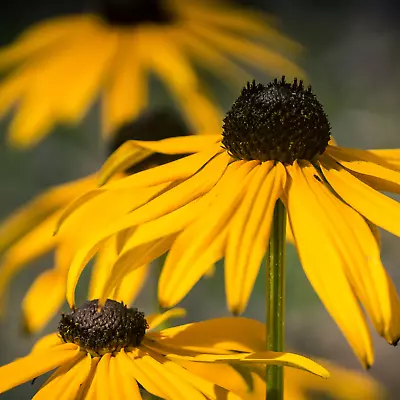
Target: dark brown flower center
<point x="281" y="121"/>
<point x="103" y="330"/>
<point x="135" y="12"/>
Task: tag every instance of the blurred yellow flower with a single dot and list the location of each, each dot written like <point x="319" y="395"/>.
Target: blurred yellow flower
<point x="27" y="234"/>
<point x="218" y="202"/>
<point x="58" y="68"/>
<point x="104" y="354"/>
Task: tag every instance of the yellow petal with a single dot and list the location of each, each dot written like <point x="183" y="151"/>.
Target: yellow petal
<point x="42" y="35"/>
<point x="43" y="299"/>
<point x="64" y="383"/>
<point x="197" y="247"/>
<point x="133" y="151"/>
<point x="228" y="334"/>
<point x="322" y="258"/>
<point x="131" y="285"/>
<point x="125" y="92"/>
<point x="391" y="156"/>
<point x="247" y="51"/>
<point x="376" y="207"/>
<point x="122" y="385"/>
<point x="249" y="234"/>
<point x="36" y="364"/>
<point x="87" y="389"/>
<point x="135" y="369"/>
<point x="155" y="320"/>
<point x="102" y="379"/>
<point x="46" y="342"/>
<point x="132" y="260"/>
<point x="167" y="202"/>
<point x="371" y="169"/>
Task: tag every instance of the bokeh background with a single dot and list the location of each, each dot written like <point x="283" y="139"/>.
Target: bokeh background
<point x="352" y="60"/>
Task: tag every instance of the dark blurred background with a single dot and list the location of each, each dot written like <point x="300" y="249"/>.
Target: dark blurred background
<point x="352" y="59"/>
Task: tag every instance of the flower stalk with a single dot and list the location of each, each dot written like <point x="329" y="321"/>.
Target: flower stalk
<point x="275" y="297"/>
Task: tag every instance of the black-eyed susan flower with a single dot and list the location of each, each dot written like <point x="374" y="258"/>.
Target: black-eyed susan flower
<point x="27" y="234"/>
<point x="218" y="203"/>
<point x="104" y="353"/>
<point x="58" y="68"/>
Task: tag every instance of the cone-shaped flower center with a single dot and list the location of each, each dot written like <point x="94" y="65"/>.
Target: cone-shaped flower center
<point x="281" y="121"/>
<point x="134" y="12"/>
<point x="103" y="330"/>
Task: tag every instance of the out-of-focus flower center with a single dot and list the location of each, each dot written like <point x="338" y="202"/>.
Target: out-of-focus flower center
<point x="103" y="330"/>
<point x="281" y="121"/>
<point x="135" y="12"/>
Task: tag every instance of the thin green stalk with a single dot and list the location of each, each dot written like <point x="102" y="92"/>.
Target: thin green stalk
<point x="276" y="299"/>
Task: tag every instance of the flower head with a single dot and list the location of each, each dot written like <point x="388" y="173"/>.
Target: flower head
<point x="106" y="352"/>
<point x="219" y="201"/>
<point x="58" y="68"/>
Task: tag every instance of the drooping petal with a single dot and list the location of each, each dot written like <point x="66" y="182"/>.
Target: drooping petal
<point x="132" y="364"/>
<point x="65" y="382"/>
<point x="167" y="202"/>
<point x="131" y="285"/>
<point x="376" y="207"/>
<point x="262" y="357"/>
<point x="361" y="260"/>
<point x="249" y="234"/>
<point x="103" y="386"/>
<point x="36" y="364"/>
<point x="43" y="299"/>
<point x="391" y="156"/>
<point x="322" y="259"/>
<point x="87" y="390"/>
<point x="121" y="383"/>
<point x="125" y="91"/>
<point x="371" y="169"/>
<point x="197" y="247"/>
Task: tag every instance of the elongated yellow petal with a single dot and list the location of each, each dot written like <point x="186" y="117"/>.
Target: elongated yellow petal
<point x="87" y="389"/>
<point x="361" y="260"/>
<point x="103" y="380"/>
<point x="131" y="285"/>
<point x="196" y="248"/>
<point x="245" y="50"/>
<point x="134" y="367"/>
<point x="131" y="260"/>
<point x="371" y="169"/>
<point x="43" y="35"/>
<point x="36" y="364"/>
<point x="125" y="92"/>
<point x="43" y="299"/>
<point x="155" y="320"/>
<point x="64" y="383"/>
<point x="378" y="208"/>
<point x="249" y="234"/>
<point x="31" y="214"/>
<point x="228" y="333"/>
<point x="33" y="245"/>
<point x="167" y="202"/>
<point x="322" y="261"/>
<point x="122" y="385"/>
<point x="391" y="156"/>
<point x="47" y="342"/>
<point x="262" y="357"/>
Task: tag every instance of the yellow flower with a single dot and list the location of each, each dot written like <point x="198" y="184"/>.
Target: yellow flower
<point x="59" y="67"/>
<point x="27" y="234"/>
<point x="104" y="354"/>
<point x="218" y="203"/>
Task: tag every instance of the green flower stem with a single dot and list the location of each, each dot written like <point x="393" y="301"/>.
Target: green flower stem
<point x="276" y="299"/>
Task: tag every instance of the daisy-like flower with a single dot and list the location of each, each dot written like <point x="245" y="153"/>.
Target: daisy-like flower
<point x="58" y="68"/>
<point x="218" y="203"/>
<point x="27" y="234"/>
<point x="103" y="353"/>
